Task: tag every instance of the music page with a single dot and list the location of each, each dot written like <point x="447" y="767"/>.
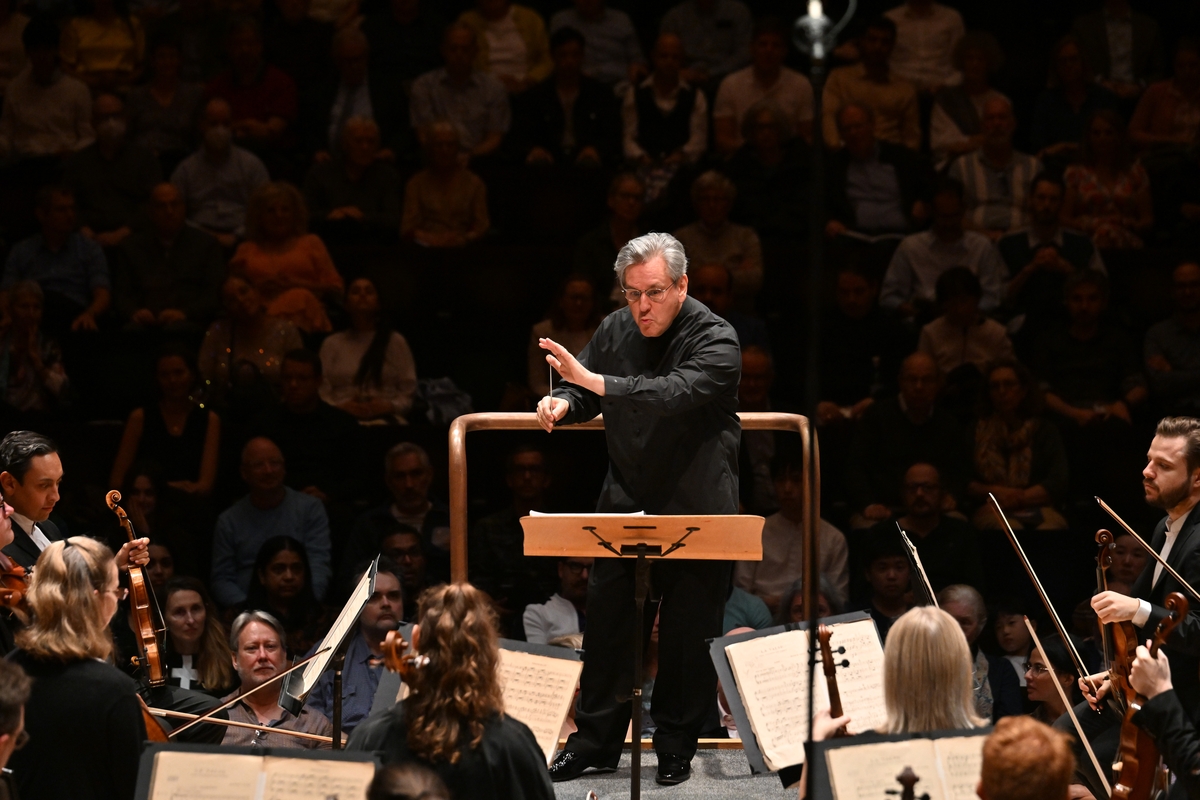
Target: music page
<point x="961" y="761"/>
<point x="865" y="772"/>
<point x="539" y="691"/>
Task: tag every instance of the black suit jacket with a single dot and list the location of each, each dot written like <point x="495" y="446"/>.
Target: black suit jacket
<point x="1183" y="646"/>
<point x="23" y="550"/>
<point x="1167" y="722"/>
<point x="539" y="120"/>
<point x="389" y="107"/>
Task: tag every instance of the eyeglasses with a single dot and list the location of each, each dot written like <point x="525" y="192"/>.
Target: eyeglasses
<point x="576" y="568"/>
<point x="653" y="295"/>
<point x="1036" y="669"/>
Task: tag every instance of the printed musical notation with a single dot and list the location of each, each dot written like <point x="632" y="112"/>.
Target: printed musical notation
<point x="213" y="776"/>
<point x="539" y="691"/>
<point x="948" y="767"/>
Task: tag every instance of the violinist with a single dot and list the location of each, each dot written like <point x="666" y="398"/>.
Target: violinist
<point x="1025" y="760"/>
<point x="12" y="580"/>
<point x="14" y="694"/>
<point x="30" y="472"/>
<point x="85" y="726"/>
<point x="1165" y="718"/>
<point x="454" y="720"/>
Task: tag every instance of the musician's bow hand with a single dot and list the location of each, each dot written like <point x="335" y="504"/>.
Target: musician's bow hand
<point x="1150" y="675"/>
<point x="1095" y="688"/>
<point x="134" y="553"/>
<point x="1115" y="607"/>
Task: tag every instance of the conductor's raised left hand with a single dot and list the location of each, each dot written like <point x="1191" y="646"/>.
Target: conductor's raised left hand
<point x="569" y="367"/>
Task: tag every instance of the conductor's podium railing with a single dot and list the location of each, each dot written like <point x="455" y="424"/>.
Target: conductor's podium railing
<point x="508" y="421"/>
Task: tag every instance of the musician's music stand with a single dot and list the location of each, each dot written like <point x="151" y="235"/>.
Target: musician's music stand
<point x="709" y="537"/>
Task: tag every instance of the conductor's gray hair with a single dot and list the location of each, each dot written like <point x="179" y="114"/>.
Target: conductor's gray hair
<point x="650" y="246"/>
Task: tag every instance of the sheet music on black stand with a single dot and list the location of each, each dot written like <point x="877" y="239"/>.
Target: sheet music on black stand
<point x="297" y="685"/>
<point x="865" y="766"/>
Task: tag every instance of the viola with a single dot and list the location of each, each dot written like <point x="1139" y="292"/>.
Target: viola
<point x="824" y="632"/>
<point x="1138" y="768"/>
<point x="14" y="583"/>
<point x="396" y="659"/>
<point x="149" y="657"/>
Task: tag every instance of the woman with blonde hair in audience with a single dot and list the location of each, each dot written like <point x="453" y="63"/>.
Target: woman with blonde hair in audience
<point x="454" y="720"/>
<point x="289" y="266"/>
<point x="368" y="369"/>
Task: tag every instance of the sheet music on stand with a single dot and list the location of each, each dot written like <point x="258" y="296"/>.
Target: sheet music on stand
<point x="297" y="685"/>
<point x="865" y="766"/>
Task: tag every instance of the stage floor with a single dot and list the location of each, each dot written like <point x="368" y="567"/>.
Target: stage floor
<point x="716" y="775"/>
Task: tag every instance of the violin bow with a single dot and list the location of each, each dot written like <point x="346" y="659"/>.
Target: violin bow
<point x="915" y="558"/>
<point x="1071" y="711"/>
<point x="204" y="717"/>
<point x="229" y="723"/>
<point x="1062" y="629"/>
<point x="1150" y="550"/>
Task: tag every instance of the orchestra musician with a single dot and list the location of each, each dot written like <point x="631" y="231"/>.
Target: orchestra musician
<point x="30" y="472"/>
<point x="15" y="686"/>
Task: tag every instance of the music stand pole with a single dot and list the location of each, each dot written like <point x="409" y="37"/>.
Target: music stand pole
<point x="641" y="589"/>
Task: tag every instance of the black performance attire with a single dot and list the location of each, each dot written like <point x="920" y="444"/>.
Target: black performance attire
<point x="508" y="764"/>
<point x="670" y="416"/>
<point x="1165" y="719"/>
<point x="85" y="732"/>
<point x="23" y="550"/>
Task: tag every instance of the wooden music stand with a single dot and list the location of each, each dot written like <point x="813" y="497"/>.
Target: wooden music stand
<point x="710" y="537"/>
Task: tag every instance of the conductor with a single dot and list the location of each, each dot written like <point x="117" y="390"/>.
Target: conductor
<point x="665" y="376"/>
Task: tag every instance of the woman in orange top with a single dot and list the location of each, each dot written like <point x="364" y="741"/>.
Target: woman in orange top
<point x="289" y="266"/>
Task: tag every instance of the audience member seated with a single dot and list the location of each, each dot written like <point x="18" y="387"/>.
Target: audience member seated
<point x="104" y="47"/>
<point x="1039" y="678"/>
<point x="613" y="51"/>
<point x="473" y="100"/>
<point x="1071" y="98"/>
<point x="511" y="43"/>
<point x="1093" y="380"/>
<point x="368" y="369"/>
<point x="569" y="118"/>
<point x="962" y="337"/>
<point x="218" y="180"/>
<point x="713" y="285"/>
<point x="196" y="654"/>
<point x="316" y="439"/>
<point x="245" y="348"/>
<point x="956" y="123"/>
<point x="1017" y="455"/>
<point x="405" y="36"/>
<point x="408" y="474"/>
<point x="861" y="349"/>
<point x="178" y="434"/>
<point x="1173" y="347"/>
<point x="1041" y="258"/>
<point x="871" y="83"/>
<point x="770" y="172"/>
<point x="896" y="432"/>
<point x="888" y="576"/>
<point x="875" y="187"/>
<point x="1128" y="562"/>
<point x="498" y="564"/>
<point x="596" y="251"/>
<point x="270" y="509"/>
<point x="261" y="96"/>
<point x="46" y="112"/>
<point x="403" y="546"/>
<point x="31" y="368"/>
<point x="911" y="279"/>
<point x="1012" y="637"/>
<point x="948" y="546"/>
<point x="713" y="239"/>
<point x="1168" y="114"/>
<point x="765" y="78"/>
<point x="168" y="277"/>
<point x="163" y="112"/>
<point x="782" y="563"/>
<point x="791" y="608"/>
<point x="995" y="177"/>
<point x="927" y="37"/>
<point x="111" y="177"/>
<point x="363" y="662"/>
<point x="665" y="118"/>
<point x="356" y="196"/>
<point x="282" y="587"/>
<point x="997" y="689"/>
<point x="299" y="44"/>
<point x="1108" y="192"/>
<point x="200" y="29"/>
<point x="565" y="613"/>
<point x="289" y="267"/>
<point x="1122" y="46"/>
<point x="70" y="268"/>
<point x="259" y="654"/>
<point x="573" y="319"/>
<point x="12" y="52"/>
<point x="445" y="204"/>
<point x="358" y="93"/>
<point x="158" y="515"/>
<point x="715" y="35"/>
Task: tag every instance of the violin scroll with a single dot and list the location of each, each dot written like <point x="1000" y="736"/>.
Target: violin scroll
<point x="1177" y="604"/>
<point x="395" y="659"/>
<point x="824" y="632"/>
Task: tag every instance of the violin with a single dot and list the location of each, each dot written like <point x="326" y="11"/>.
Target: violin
<point x="1138" y="768"/>
<point x="830" y="667"/>
<point x="14" y="583"/>
<point x="149" y="657"/>
<point x="396" y="659"/>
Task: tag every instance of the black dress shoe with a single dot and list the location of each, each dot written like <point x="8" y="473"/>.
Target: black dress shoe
<point x="568" y="766"/>
<point x="672" y="770"/>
